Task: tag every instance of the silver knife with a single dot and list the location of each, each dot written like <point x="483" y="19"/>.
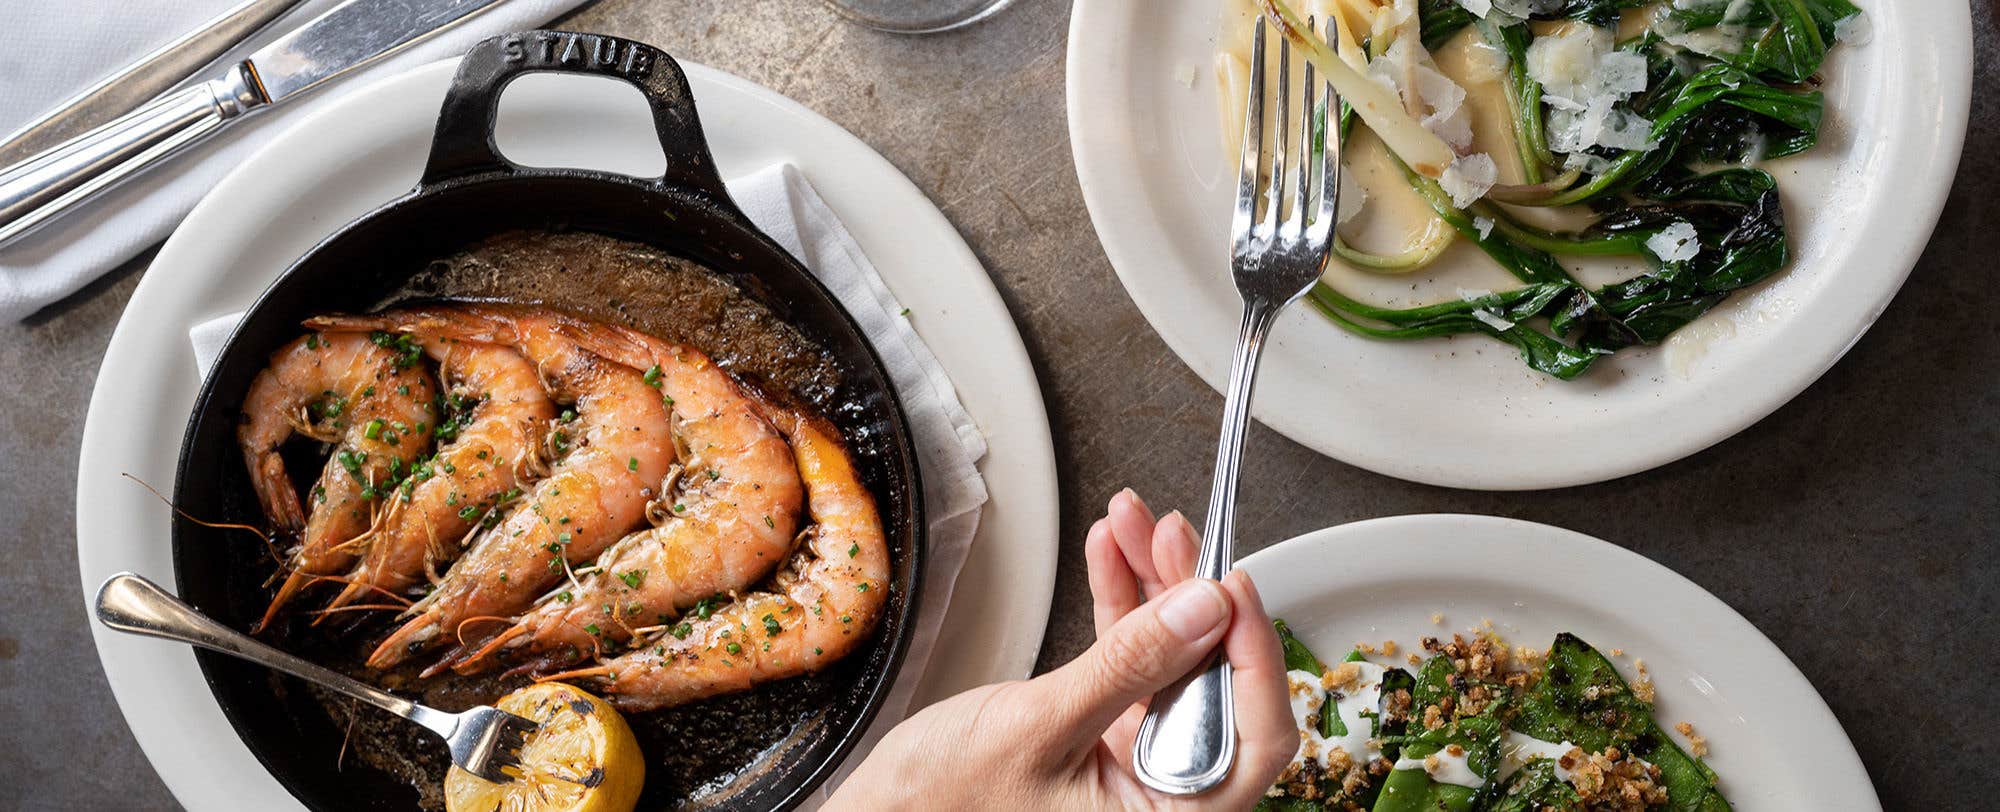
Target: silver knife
<point x="143" y="80"/>
<point x="347" y="36"/>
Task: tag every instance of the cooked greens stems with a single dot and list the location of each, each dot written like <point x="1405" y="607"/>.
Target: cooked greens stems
<point x="1706" y="232"/>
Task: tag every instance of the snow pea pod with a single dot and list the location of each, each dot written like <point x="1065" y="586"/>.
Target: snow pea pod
<point x="1413" y="790"/>
<point x="1297" y="656"/>
<point x="1582" y="699"/>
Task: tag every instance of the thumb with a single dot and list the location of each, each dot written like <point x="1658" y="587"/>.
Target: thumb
<point x="1145" y="651"/>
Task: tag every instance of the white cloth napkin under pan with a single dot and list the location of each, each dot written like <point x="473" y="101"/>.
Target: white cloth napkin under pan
<point x="51" y="49"/>
<point x="782" y="203"/>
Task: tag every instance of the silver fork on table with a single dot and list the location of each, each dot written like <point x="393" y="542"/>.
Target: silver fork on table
<point x="484" y="740"/>
<point x="1187" y="742"/>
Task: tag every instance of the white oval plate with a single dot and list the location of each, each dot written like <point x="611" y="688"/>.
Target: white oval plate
<point x="367" y="150"/>
<point x="1465" y="412"/>
<point x="1772" y="739"/>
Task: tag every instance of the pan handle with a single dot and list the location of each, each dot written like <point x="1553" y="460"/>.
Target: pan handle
<point x="464" y="144"/>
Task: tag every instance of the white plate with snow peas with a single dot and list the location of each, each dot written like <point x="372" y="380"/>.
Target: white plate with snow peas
<point x="1771" y="739"/>
<point x="1463" y="411"/>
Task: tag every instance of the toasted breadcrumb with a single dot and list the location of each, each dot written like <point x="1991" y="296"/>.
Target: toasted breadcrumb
<point x="1696" y="744"/>
<point x="1615" y="781"/>
<point x="1437" y="618"/>
<point x="1643" y="686"/>
<point x="1341" y="677"/>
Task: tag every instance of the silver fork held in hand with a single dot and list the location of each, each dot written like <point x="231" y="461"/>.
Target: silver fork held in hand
<point x="1187" y="743"/>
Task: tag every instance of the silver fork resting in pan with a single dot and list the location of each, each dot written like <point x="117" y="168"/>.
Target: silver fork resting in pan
<point x="484" y="741"/>
<point x="1187" y="742"/>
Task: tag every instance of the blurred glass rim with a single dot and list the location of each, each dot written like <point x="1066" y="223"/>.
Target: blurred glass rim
<point x="917" y="16"/>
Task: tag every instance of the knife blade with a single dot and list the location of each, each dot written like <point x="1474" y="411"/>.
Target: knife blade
<point x="350" y="35"/>
<point x="143" y="80"/>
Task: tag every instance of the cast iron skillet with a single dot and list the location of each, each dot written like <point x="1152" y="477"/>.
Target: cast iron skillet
<point x="469" y="192"/>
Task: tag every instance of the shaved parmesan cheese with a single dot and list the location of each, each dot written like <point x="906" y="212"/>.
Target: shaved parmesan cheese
<point x="1352" y="198"/>
<point x="1675" y="243"/>
<point x="1622" y="72"/>
<point x="1469" y="178"/>
<point x="1485" y="316"/>
<point x="1854" y="29"/>
<point x="1485" y="227"/>
<point x="1566" y="63"/>
<point x="1479" y="8"/>
<point x="1388" y="70"/>
<point x="1726" y="38"/>
<point x="1583" y="81"/>
<point x="1446" y="100"/>
<point x="1491" y="319"/>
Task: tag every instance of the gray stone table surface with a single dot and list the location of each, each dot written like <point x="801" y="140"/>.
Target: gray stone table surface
<point x="1855" y="526"/>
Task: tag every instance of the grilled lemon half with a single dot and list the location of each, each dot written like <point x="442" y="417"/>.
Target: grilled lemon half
<point x="582" y="759"/>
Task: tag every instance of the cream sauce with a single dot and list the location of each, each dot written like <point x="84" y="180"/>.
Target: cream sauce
<point x="1357" y="706"/>
<point x="1445" y="767"/>
<point x="1518" y="749"/>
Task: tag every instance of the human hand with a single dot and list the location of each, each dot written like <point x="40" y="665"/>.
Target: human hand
<point x="1063" y="740"/>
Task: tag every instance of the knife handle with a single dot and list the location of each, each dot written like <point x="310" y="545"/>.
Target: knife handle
<point x="38" y="189"/>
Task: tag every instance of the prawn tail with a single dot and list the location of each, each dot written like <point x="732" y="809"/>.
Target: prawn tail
<point x="356" y="587"/>
<point x="274" y="491"/>
<point x="297" y="580"/>
<point x="408" y="639"/>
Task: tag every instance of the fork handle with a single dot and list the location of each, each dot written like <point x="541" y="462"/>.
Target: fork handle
<point x="1187" y="743"/>
<point x="133" y="604"/>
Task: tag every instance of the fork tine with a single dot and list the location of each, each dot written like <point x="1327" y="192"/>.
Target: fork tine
<point x="1307" y="147"/>
<point x="1253" y="139"/>
<point x="1283" y="122"/>
<point x="1328" y="215"/>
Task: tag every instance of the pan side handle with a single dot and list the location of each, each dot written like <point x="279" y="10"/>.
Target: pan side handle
<point x="463" y="144"/>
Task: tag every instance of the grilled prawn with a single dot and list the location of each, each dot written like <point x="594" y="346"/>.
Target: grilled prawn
<point x="371" y="399"/>
<point x="490" y="444"/>
<point x="825" y="601"/>
<point x="725" y="519"/>
<point x="617" y="453"/>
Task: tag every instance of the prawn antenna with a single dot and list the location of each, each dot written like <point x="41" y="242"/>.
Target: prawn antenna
<point x="261" y="535"/>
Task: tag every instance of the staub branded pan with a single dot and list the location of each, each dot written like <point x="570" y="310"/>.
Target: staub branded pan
<point x="765" y="749"/>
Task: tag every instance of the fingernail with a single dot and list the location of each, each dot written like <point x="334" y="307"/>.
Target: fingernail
<point x="1193" y="608"/>
<point x="1187" y="527"/>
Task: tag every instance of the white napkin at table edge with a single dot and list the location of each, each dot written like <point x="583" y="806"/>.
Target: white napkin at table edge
<point x="783" y="203"/>
<point x="66" y="254"/>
